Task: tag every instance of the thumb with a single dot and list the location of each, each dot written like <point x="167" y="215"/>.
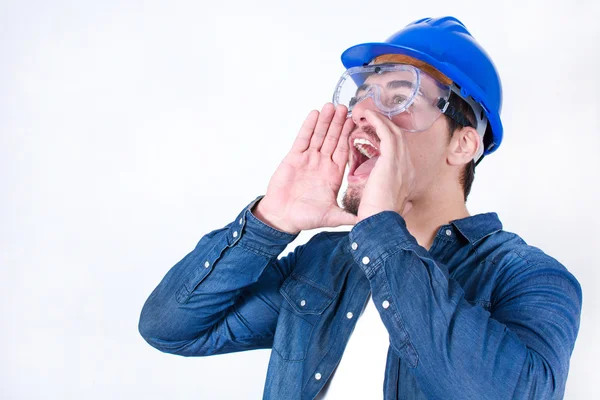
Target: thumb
<point x="407" y="207"/>
<point x="338" y="216"/>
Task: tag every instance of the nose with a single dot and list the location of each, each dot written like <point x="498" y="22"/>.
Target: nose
<point x="358" y="111"/>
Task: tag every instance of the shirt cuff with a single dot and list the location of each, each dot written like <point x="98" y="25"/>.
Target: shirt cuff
<point x="376" y="237"/>
<point x="254" y="234"/>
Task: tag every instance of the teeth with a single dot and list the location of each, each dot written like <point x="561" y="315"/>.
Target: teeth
<point x="363" y="151"/>
<point x="363" y="141"/>
<point x="365" y="147"/>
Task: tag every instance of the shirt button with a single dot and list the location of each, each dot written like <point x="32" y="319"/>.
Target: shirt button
<point x="302" y="303"/>
<point x="354" y="246"/>
<point x="240" y="221"/>
<point x="235" y="234"/>
<point x="448" y="232"/>
<point x="206" y="264"/>
<point x="365" y="260"/>
<point x="349" y="315"/>
<point x="318" y="376"/>
<point x="385" y="304"/>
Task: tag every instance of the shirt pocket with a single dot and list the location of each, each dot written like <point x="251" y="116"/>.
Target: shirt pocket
<point x="304" y="303"/>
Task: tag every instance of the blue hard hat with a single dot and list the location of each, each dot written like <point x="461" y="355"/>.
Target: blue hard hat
<point x="445" y="44"/>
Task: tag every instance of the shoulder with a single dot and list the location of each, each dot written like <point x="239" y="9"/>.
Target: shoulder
<point x="517" y="263"/>
<point x="508" y="248"/>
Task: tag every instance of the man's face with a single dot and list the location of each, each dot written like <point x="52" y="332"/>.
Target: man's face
<point x="427" y="150"/>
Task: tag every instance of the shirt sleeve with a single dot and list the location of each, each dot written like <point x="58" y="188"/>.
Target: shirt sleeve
<point x="223" y="296"/>
<point x="459" y="350"/>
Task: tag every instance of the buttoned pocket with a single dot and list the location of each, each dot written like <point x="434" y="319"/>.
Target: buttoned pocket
<point x="304" y="303"/>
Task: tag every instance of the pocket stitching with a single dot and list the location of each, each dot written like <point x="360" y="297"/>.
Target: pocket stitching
<point x="328" y="298"/>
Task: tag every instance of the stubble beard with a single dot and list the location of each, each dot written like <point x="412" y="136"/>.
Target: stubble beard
<point x="351" y="199"/>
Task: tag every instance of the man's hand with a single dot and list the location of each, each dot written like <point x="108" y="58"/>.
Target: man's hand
<point x="393" y="177"/>
<point x="302" y="193"/>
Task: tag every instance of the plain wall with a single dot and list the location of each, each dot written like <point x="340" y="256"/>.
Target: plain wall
<point x="128" y="130"/>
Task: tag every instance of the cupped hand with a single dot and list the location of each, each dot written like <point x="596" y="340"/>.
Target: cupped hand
<point x="392" y="179"/>
<point x="302" y="193"/>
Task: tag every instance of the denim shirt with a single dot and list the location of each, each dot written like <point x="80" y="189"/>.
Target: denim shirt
<point x="481" y="315"/>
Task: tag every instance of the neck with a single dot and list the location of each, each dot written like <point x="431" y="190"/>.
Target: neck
<point x="427" y="215"/>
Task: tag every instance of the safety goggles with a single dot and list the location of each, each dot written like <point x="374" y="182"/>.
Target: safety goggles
<point x="398" y="90"/>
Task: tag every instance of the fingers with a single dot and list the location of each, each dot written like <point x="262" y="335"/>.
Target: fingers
<point x="335" y="128"/>
<point x="388" y="132"/>
<point x="306" y="131"/>
<point x="322" y="126"/>
<point x="342" y="151"/>
<point x="326" y="132"/>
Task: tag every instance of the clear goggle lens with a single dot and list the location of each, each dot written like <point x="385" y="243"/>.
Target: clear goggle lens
<point x="396" y="90"/>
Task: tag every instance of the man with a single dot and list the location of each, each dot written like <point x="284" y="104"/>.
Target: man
<point x="467" y="310"/>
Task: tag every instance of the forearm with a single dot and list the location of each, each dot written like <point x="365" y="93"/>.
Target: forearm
<point x="456" y="349"/>
<point x="201" y="290"/>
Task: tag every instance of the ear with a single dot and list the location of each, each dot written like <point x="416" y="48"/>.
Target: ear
<point x="463" y="146"/>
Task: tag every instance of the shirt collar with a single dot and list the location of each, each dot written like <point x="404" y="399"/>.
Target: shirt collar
<point x="476" y="227"/>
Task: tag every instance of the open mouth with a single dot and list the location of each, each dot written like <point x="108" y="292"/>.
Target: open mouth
<point x="364" y="157"/>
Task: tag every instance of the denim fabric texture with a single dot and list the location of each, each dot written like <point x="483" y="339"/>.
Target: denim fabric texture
<point x="480" y="315"/>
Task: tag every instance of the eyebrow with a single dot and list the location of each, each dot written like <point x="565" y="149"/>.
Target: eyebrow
<point x="397" y="84"/>
<point x="390" y="85"/>
<point x="362" y="87"/>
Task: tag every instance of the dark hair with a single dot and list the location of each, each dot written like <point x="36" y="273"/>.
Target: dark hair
<point x="468" y="174"/>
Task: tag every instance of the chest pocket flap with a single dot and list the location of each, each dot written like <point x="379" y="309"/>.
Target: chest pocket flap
<point x="305" y="296"/>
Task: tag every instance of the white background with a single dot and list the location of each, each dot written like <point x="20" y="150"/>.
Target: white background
<point x="129" y="129"/>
